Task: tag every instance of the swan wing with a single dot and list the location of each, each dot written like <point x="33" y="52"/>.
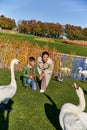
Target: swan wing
<point x="72" y="122"/>
<point x="67" y="108"/>
<point x="6" y="92"/>
<point x="83" y="117"/>
<point x="4" y="86"/>
<point x="84" y="72"/>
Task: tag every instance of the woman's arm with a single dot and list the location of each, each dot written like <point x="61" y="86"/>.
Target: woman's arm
<point x="38" y="64"/>
<point x="50" y="68"/>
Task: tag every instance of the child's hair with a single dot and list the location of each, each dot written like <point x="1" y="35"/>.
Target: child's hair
<point x="31" y="58"/>
<point x="45" y="53"/>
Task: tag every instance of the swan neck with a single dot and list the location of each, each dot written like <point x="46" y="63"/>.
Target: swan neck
<point x="80" y="70"/>
<point x="12" y="73"/>
<point x="82" y="102"/>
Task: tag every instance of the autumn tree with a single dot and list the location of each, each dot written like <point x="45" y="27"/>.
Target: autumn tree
<point x="7" y="23"/>
<point x="85" y="33"/>
<point x="52" y="30"/>
<point x="74" y="32"/>
<point x="40" y="28"/>
<point x="23" y="26"/>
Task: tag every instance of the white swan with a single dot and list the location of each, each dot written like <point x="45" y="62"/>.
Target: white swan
<point x="8" y="91"/>
<point x="85" y="61"/>
<point x="83" y="73"/>
<point x="72" y="117"/>
<point x="63" y="71"/>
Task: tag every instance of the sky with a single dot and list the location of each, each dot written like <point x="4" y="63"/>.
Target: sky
<point x="73" y="12"/>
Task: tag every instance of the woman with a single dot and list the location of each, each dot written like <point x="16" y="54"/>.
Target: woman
<point x="45" y="69"/>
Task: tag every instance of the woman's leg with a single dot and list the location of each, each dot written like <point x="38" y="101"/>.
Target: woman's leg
<point x="48" y="78"/>
<point x="44" y="82"/>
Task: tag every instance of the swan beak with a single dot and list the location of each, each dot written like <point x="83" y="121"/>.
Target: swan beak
<point x="18" y="62"/>
<point x="75" y="86"/>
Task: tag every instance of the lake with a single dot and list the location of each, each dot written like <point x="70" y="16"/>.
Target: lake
<point x="74" y="63"/>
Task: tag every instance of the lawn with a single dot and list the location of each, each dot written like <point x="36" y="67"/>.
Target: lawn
<point x="32" y="110"/>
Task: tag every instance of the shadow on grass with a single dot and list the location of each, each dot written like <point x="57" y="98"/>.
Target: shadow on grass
<point x="52" y="113"/>
<point x="4" y="116"/>
<point x="85" y="91"/>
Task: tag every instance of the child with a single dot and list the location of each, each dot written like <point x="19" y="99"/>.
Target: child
<point x="29" y="74"/>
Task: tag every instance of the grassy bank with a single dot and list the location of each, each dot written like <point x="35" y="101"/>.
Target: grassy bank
<point x="32" y="110"/>
<point x="56" y="44"/>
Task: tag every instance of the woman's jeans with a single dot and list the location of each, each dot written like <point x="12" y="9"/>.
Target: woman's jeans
<point x="32" y="83"/>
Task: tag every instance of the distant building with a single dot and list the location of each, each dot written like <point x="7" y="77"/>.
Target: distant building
<point x="63" y="36"/>
<point x="15" y="29"/>
<point x="0" y="28"/>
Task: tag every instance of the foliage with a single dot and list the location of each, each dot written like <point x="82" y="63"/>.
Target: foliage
<point x="44" y="29"/>
<point x="21" y="50"/>
<point x="58" y="45"/>
<point x="7" y="23"/>
<point x="52" y="30"/>
<point x="44" y="39"/>
<point x="74" y="32"/>
<point x="39" y="28"/>
<point x="75" y="42"/>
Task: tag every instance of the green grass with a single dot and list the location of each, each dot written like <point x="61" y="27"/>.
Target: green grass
<point x="58" y="45"/>
<point x="32" y="110"/>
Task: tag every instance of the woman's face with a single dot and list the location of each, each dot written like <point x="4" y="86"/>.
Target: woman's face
<point x="45" y="58"/>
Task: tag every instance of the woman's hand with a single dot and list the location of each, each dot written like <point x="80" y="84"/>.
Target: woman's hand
<point x="41" y="76"/>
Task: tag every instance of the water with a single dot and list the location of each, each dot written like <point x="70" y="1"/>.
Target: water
<point x="74" y="64"/>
